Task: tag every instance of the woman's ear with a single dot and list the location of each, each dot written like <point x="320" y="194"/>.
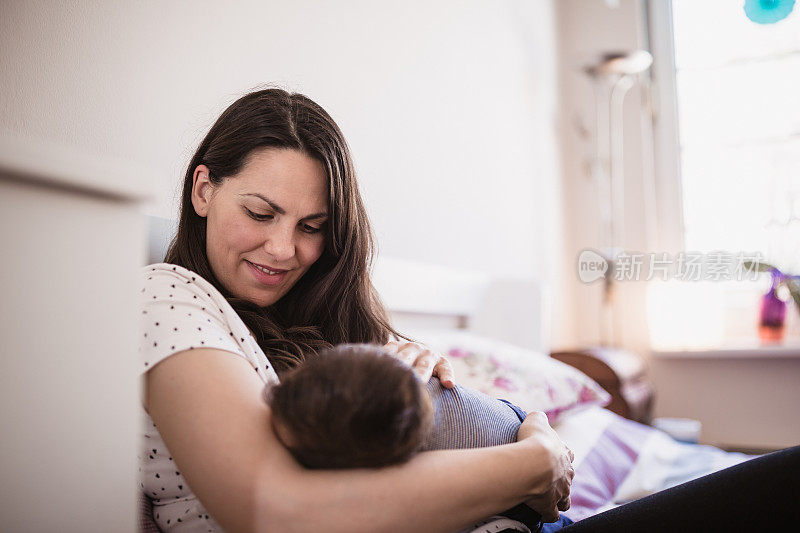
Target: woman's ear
<point x="202" y="190"/>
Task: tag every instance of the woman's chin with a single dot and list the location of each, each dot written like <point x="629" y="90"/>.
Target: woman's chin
<point x="261" y="299"/>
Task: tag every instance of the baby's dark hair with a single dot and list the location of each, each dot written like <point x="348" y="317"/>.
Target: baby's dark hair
<point x="352" y="406"/>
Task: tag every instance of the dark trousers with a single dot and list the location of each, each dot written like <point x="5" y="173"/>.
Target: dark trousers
<point x="762" y="494"/>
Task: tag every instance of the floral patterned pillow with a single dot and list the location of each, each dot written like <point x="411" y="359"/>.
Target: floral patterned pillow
<point x="529" y="379"/>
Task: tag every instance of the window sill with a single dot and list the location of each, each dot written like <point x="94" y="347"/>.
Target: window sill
<point x="788" y="349"/>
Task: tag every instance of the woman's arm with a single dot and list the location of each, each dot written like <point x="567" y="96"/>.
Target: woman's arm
<point x="208" y="407"/>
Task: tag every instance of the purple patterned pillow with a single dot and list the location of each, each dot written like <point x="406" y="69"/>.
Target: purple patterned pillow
<point x="527" y="378"/>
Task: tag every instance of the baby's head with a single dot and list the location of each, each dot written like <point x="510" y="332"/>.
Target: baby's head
<point x="353" y="406"/>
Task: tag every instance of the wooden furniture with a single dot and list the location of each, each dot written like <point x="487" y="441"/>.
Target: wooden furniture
<point x="621" y="373"/>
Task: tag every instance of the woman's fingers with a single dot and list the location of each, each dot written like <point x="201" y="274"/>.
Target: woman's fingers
<point x="564" y="504"/>
<point x="391" y="347"/>
<point x="534" y="423"/>
<point x="444" y="371"/>
<point x="550" y="516"/>
<point x="424" y="361"/>
<point x="423" y="366"/>
<point x="410" y="352"/>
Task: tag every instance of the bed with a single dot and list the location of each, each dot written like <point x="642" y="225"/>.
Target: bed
<point x="494" y="332"/>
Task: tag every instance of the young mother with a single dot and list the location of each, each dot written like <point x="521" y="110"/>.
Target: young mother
<point x="269" y="265"/>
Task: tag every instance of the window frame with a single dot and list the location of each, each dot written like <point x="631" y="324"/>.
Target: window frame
<point x="666" y="142"/>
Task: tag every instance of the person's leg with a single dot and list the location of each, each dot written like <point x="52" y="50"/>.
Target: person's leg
<point x="521" y="414"/>
<point x="466" y="418"/>
<point x="757" y="495"/>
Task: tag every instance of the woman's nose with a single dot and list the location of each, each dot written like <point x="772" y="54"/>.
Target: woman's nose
<point x="280" y="244"/>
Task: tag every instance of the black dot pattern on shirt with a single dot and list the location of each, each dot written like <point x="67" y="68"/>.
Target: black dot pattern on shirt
<point x="176" y="316"/>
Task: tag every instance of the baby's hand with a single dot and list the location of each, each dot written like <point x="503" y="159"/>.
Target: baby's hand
<point x="424" y="361"/>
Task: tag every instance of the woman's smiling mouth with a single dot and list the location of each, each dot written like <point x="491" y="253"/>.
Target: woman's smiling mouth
<point x="266" y="275"/>
<point x="268" y="270"/>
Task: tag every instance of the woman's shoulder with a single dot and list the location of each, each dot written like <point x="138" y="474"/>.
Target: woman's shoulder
<point x="174" y="283"/>
<point x="179" y="310"/>
<point x="160" y="273"/>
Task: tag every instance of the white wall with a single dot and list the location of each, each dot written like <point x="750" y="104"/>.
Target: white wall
<point x="587" y="28"/>
<point x="449" y="106"/>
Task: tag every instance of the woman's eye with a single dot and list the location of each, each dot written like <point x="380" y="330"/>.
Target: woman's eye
<point x="258" y="216"/>
<point x="311" y="229"/>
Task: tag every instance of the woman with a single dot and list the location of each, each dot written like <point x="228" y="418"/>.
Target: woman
<point x="269" y="265"/>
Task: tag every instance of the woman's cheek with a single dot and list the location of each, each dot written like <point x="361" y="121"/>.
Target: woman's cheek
<point x="314" y="250"/>
<point x="244" y="237"/>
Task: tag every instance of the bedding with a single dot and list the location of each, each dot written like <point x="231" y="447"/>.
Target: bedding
<point x="529" y="379"/>
<point x="618" y="460"/>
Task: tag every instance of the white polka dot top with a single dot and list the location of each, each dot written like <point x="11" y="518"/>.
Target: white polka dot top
<point x="182" y="311"/>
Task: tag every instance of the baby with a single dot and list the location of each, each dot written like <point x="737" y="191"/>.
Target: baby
<point x="357" y="406"/>
<point x="353" y="406"/>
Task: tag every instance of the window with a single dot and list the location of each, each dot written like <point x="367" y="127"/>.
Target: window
<point x="728" y="155"/>
<point x="738" y="102"/>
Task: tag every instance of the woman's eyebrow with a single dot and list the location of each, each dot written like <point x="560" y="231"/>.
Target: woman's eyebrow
<point x="282" y="211"/>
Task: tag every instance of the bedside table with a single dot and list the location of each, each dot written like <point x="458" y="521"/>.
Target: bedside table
<point x="621" y="373"/>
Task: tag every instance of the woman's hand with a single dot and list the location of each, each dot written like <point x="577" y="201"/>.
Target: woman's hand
<point x="424" y="361"/>
<point x="554" y="493"/>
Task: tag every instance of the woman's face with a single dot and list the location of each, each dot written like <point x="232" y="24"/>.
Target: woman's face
<point x="265" y="225"/>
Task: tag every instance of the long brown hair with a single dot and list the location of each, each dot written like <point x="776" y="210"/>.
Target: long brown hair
<point x="334" y="302"/>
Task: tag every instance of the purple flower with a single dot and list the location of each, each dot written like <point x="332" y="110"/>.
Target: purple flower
<point x="551" y="392"/>
<point x="505" y="384"/>
<point x="498" y="363"/>
<point x="457" y="353"/>
<point x="586" y="395"/>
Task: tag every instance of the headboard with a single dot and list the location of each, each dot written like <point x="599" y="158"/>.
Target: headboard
<point x="421" y="297"/>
